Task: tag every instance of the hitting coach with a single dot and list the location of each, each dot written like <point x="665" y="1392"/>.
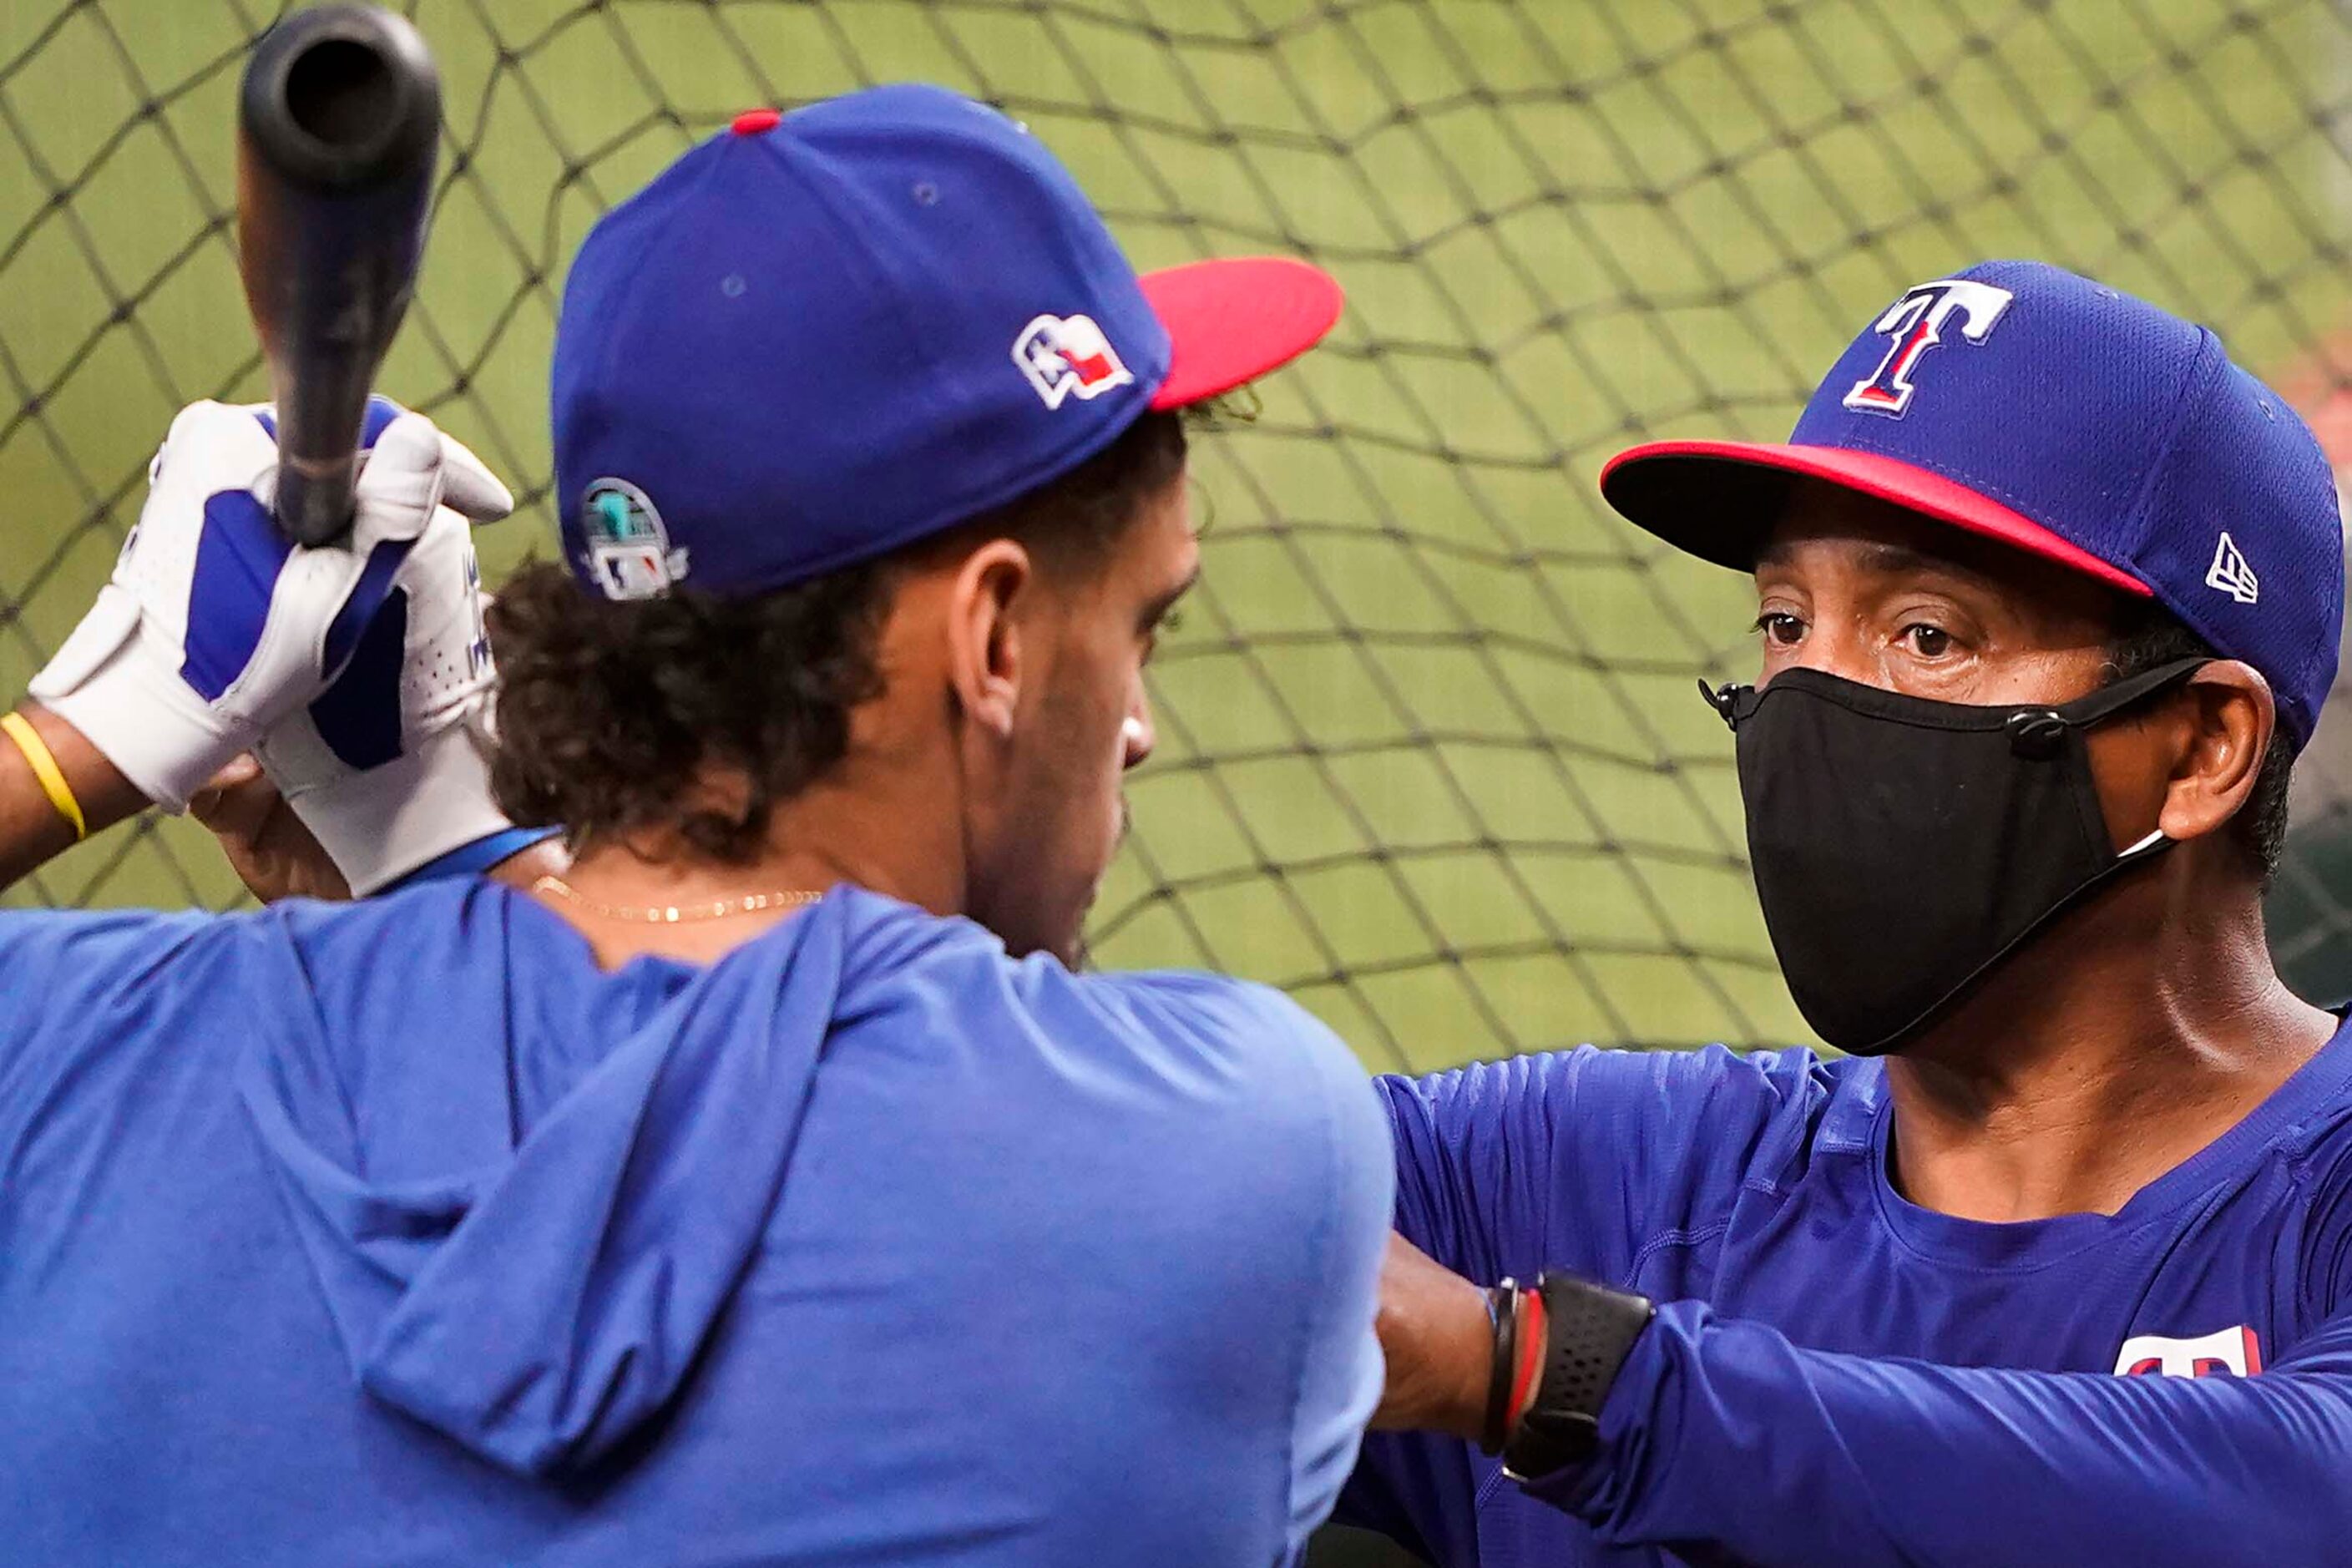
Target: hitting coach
<point x="663" y="1205"/>
<point x="2056" y="1267"/>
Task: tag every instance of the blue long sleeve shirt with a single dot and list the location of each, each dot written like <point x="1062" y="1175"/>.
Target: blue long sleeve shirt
<point x="1838" y="1376"/>
<point x="400" y="1234"/>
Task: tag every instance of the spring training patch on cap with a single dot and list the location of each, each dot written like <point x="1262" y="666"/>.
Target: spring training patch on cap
<point x="628" y="551"/>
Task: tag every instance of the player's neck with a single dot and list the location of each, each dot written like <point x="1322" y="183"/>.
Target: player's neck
<point x="2110" y="1049"/>
<point x="841" y="831"/>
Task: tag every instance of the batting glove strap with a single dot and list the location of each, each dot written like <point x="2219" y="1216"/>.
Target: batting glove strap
<point x="1592" y="1330"/>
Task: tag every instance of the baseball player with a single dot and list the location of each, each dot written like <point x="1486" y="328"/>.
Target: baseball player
<point x="754" y="1184"/>
<point x="2056" y="1265"/>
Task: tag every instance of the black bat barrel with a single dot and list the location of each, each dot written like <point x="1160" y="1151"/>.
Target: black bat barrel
<point x="337" y="121"/>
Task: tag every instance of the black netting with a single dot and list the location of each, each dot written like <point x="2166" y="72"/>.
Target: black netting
<point x="1431" y="757"/>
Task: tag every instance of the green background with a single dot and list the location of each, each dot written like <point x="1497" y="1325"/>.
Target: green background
<point x="1430" y="753"/>
<point x="1431" y="756"/>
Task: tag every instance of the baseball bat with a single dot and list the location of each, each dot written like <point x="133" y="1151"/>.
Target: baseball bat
<point x="338" y="117"/>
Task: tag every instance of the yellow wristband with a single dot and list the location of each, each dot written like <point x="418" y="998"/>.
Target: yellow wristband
<point x="44" y="763"/>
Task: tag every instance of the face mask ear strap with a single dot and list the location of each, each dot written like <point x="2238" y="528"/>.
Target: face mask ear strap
<point x="2109" y="700"/>
<point x="1725" y="702"/>
<point x="2039" y="733"/>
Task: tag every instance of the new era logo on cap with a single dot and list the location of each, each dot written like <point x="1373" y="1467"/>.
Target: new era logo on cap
<point x="1067" y="354"/>
<point x="2231" y="574"/>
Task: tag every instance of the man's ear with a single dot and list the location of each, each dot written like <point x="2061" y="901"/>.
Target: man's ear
<point x="984" y="640"/>
<point x="2230" y="716"/>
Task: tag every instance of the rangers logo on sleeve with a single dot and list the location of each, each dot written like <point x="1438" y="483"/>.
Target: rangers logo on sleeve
<point x="1066" y="354"/>
<point x="2236" y="1352"/>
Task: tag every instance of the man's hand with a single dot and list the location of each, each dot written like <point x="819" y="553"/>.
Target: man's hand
<point x="273" y="854"/>
<point x="357" y="673"/>
<point x="1440" y="1344"/>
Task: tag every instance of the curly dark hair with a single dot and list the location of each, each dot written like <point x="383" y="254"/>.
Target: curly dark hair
<point x="611" y="712"/>
<point x="2146" y="636"/>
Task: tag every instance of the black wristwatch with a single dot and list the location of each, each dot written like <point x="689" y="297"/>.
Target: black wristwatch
<point x="1590" y="1330"/>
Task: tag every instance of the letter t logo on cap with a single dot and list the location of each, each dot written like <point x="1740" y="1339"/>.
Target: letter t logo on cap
<point x="1916" y="321"/>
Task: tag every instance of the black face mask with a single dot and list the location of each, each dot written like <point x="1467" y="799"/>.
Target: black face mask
<point x="1904" y="847"/>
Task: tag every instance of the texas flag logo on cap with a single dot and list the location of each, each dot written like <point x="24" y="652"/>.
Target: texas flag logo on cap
<point x="1066" y="354"/>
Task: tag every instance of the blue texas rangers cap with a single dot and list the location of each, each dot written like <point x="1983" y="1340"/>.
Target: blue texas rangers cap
<point x="2023" y="403"/>
<point x="822" y="335"/>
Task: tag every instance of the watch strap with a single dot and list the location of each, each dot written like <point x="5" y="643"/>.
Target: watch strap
<point x="1591" y="1330"/>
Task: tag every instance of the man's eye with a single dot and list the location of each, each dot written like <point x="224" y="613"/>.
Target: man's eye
<point x="1926" y="641"/>
<point x="1169" y="621"/>
<point x="1779" y="627"/>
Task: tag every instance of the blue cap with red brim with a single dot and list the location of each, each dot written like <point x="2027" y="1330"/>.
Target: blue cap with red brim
<point x="2023" y="404"/>
<point x="819" y="336"/>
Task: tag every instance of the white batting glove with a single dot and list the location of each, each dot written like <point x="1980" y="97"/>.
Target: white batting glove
<point x="356" y="672"/>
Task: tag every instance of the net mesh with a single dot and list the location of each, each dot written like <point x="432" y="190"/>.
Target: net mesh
<point x="1431" y="757"/>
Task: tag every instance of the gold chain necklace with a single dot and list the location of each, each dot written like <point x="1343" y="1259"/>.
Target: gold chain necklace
<point x="673" y="914"/>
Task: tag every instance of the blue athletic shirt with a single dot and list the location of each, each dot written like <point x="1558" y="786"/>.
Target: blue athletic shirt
<point x="1837" y="1376"/>
<point x="400" y="1234"/>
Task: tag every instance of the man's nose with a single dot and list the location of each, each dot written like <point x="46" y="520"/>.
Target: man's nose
<point x="1136" y="736"/>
